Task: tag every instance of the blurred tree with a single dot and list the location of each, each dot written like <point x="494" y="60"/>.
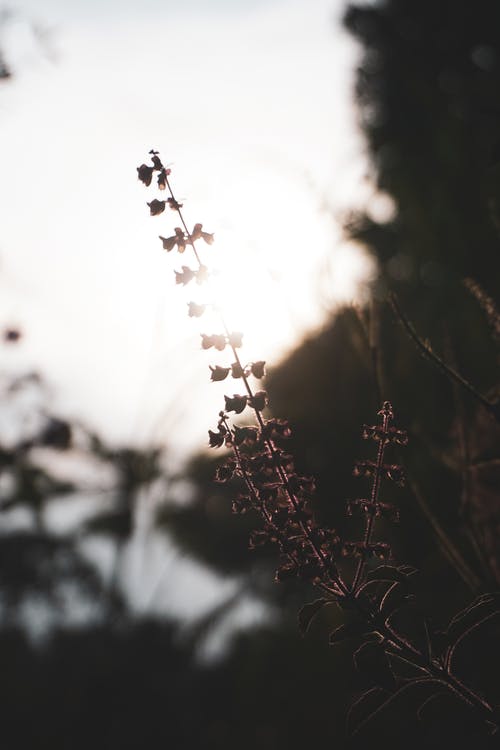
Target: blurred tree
<point x="50" y="465"/>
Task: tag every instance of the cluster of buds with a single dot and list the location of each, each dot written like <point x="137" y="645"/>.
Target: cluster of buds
<point x="182" y="237"/>
<point x="373" y="507"/>
<point x="283" y="499"/>
<point x="280" y="496"/>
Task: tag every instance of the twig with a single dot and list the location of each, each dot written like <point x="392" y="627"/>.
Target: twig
<point x="426" y="350"/>
<point x="449" y="548"/>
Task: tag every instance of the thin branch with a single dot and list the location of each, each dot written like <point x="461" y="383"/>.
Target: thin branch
<point x="427" y="351"/>
<point x="449" y="548"/>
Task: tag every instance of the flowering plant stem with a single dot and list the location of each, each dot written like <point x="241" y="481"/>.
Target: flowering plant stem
<point x="282" y="499"/>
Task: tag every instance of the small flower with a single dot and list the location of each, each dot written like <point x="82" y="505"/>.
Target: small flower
<point x="218" y="373"/>
<point x="168" y="242"/>
<point x="199" y="234"/>
<point x="225" y="472"/>
<point x="174" y="205"/>
<point x="216" y="439"/>
<point x="259" y="400"/>
<point x="145" y="174"/>
<point x="247" y="435"/>
<point x="155" y="158"/>
<point x="206" y="341"/>
<point x="218" y="341"/>
<point x="185" y="276"/>
<point x="235" y="403"/>
<point x="180" y="240"/>
<point x="236" y="370"/>
<point x="194" y="310"/>
<point x="162" y="179"/>
<point x="241" y="504"/>
<point x="258" y="369"/>
<point x="201" y="274"/>
<point x="235" y="339"/>
<point x="156" y="207"/>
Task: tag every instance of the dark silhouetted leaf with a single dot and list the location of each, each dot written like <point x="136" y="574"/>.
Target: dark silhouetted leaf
<point x="218" y="373"/>
<point x="365" y="707"/>
<point x="485" y="606"/>
<point x="404" y="703"/>
<point x="353" y="629"/>
<point x="308" y="612"/>
<point x="235" y="403"/>
<point x="371" y="661"/>
<point x="392" y="599"/>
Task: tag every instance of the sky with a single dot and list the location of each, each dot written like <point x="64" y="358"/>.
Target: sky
<point x="250" y="103"/>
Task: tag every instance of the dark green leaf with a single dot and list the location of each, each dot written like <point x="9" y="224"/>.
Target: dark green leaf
<point x="352" y="629"/>
<point x="365" y="707"/>
<point x="308" y="612"/>
<point x="371" y="661"/>
<point x="392" y="599"/>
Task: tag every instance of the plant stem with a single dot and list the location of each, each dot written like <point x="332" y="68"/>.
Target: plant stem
<point x="377" y="479"/>
<point x="329" y="569"/>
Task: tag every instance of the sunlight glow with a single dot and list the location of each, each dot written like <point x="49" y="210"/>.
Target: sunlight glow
<point x="257" y="146"/>
<point x="265" y="259"/>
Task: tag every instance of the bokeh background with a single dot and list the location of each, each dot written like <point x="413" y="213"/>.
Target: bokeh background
<point x="340" y="153"/>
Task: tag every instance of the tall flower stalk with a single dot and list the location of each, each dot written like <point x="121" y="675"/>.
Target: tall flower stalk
<point x="408" y="653"/>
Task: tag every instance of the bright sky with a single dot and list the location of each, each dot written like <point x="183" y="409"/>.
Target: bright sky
<point x="251" y="103"/>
